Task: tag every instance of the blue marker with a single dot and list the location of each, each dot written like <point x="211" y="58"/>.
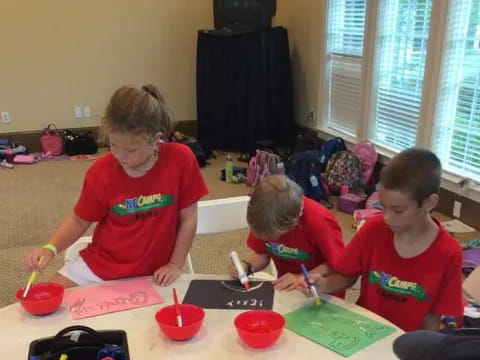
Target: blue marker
<point x="312" y="287"/>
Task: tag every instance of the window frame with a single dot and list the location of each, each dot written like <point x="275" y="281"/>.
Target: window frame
<point x="365" y="128"/>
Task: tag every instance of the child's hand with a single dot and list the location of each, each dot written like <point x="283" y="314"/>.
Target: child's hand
<point x="233" y="270"/>
<point x="317" y="279"/>
<point x="167" y="274"/>
<point x="34" y="256"/>
<point x="287" y="282"/>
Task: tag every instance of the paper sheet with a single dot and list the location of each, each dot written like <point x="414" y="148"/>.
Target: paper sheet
<point x="336" y="328"/>
<point x="228" y="294"/>
<point x="456" y="226"/>
<point x="103" y="299"/>
<point x="471" y="285"/>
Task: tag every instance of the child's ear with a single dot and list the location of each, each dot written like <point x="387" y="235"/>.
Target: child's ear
<point x="431" y="202"/>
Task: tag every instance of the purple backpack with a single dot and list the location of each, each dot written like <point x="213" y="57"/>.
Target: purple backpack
<point x="263" y="164"/>
<point x="471" y="259"/>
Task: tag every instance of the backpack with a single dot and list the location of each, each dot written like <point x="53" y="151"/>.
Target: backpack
<point x="343" y="167"/>
<point x="198" y="151"/>
<point x="471" y="259"/>
<point x="304" y="169"/>
<point x="305" y="142"/>
<point x="200" y="154"/>
<point x="76" y="143"/>
<point x="9" y="150"/>
<point x="367" y="154"/>
<point x="330" y="147"/>
<point x="263" y="164"/>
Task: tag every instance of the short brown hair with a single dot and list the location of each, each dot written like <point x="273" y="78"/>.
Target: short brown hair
<point x="138" y="111"/>
<point x="274" y="207"/>
<point x="415" y="171"/>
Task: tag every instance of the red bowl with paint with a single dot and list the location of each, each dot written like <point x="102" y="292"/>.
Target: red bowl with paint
<point x="259" y="328"/>
<point x="42" y="298"/>
<point x="192" y="317"/>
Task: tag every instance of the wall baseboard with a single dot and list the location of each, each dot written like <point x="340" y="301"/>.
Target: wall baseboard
<point x="31" y="139"/>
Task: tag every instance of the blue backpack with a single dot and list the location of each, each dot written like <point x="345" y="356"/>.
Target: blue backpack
<point x="305" y="169"/>
<point x="330" y="147"/>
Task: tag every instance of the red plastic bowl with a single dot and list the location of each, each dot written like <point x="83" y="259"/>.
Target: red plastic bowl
<point x="42" y="298"/>
<point x="259" y="328"/>
<point x="192" y="317"/>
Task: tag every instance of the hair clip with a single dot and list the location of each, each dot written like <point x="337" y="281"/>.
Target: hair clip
<point x="150" y="92"/>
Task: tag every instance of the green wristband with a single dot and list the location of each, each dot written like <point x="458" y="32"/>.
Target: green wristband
<point x="51" y="247"/>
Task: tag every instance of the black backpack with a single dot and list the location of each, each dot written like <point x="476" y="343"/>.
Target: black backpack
<point x="202" y="153"/>
<point x="76" y="143"/>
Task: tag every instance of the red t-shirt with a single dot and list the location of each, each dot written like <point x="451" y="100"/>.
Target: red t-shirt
<point x="316" y="239"/>
<point x="137" y="217"/>
<point x="403" y="290"/>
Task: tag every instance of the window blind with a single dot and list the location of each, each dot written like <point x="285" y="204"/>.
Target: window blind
<point x="346" y="24"/>
<point x="456" y="129"/>
<point x="402" y="40"/>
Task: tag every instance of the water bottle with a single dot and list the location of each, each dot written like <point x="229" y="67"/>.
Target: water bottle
<point x="316" y="189"/>
<point x="280" y="168"/>
<point x="229" y="169"/>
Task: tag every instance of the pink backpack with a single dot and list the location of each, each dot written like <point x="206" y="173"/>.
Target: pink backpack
<point x="263" y="164"/>
<point x="367" y="154"/>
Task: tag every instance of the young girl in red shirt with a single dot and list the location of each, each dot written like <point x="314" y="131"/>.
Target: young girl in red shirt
<point x="143" y="196"/>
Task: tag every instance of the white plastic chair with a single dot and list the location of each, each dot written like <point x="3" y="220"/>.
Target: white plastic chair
<point x="71" y="253"/>
<point x="219" y="215"/>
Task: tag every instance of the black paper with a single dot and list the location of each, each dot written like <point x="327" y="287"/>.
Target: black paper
<point x="229" y="294"/>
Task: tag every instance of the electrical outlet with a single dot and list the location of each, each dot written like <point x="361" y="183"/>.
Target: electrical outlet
<point x="457" y="207"/>
<point x="5" y="117"/>
<point x="311" y="118"/>
<point x="87" y="112"/>
<point x="78" y="112"/>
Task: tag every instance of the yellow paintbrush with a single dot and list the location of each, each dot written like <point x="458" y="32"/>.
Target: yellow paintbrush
<point x="31" y="279"/>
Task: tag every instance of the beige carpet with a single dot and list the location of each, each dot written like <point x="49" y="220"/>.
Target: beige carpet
<point x="35" y="198"/>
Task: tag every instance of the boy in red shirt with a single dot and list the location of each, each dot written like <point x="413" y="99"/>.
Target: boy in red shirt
<point x="290" y="229"/>
<point x="143" y="195"/>
<point x="410" y="266"/>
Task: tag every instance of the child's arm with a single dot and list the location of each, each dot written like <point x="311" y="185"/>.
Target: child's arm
<point x="69" y="231"/>
<point x="187" y="226"/>
<point x="322" y="269"/>
<point x="258" y="261"/>
<point x="431" y="322"/>
<point x="291" y="281"/>
<point x="330" y="283"/>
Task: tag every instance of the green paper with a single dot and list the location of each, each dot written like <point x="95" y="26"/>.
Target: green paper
<point x="336" y="328"/>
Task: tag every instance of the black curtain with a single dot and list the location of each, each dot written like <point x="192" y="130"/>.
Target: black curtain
<point x="244" y="89"/>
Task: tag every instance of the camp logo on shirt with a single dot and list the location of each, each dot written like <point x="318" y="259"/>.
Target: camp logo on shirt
<point x="395" y="285"/>
<point x="142" y="203"/>
<point x="286" y="252"/>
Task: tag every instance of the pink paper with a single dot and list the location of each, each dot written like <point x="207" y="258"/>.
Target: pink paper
<point x="104" y="299"/>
